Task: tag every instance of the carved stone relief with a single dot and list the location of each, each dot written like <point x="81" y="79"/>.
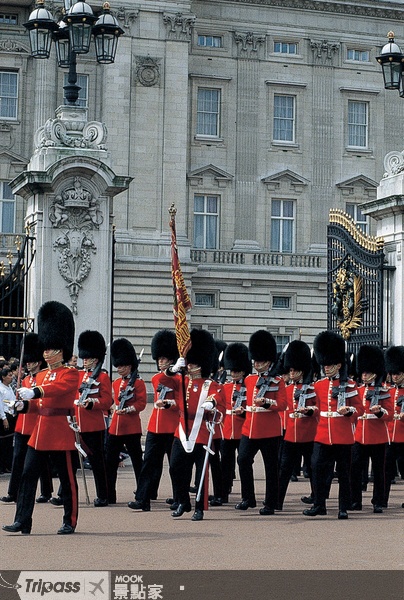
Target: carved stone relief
<point x="248" y="43"/>
<point x="147" y="71"/>
<point x="179" y="26"/>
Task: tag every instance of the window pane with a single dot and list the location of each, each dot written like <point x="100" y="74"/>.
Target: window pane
<point x="8" y="94"/>
<point x="198" y="231"/>
<point x="211" y="232"/>
<point x="275" y="235"/>
<point x="211" y="204"/>
<point x="7" y="225"/>
<point x="276" y="208"/>
<point x="357" y="124"/>
<point x="284" y="118"/>
<point x="208" y="112"/>
<point x="288" y="208"/>
<point x="287" y="236"/>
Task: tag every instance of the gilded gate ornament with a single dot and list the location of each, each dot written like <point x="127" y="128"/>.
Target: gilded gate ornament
<point x="347" y="302"/>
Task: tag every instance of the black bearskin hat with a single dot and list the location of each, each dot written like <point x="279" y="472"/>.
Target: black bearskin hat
<point x="298" y="357"/>
<point x="262" y="346"/>
<point x="56" y="328"/>
<point x="91" y="344"/>
<point x="329" y="348"/>
<point x="164" y="343"/>
<point x="394" y="358"/>
<point x="33" y="350"/>
<point x="202" y="351"/>
<point x="236" y="358"/>
<point x="370" y="359"/>
<point x="123" y="353"/>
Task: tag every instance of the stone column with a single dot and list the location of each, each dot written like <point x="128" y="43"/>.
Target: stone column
<point x="69" y="188"/>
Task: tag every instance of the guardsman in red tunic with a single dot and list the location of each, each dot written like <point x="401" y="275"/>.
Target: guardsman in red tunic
<point x="262" y="429"/>
<point x="93" y="401"/>
<point x="162" y="423"/>
<point x="33" y="359"/>
<point x="53" y="399"/>
<point x="301" y="414"/>
<point x="371" y="433"/>
<point x="339" y="405"/>
<point x="202" y="397"/>
<point x="395" y="451"/>
<point x="238" y="364"/>
<point x="130" y="399"/>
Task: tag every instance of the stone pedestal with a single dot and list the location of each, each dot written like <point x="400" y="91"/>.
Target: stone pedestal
<point x="69" y="189"/>
<point x="388" y="211"/>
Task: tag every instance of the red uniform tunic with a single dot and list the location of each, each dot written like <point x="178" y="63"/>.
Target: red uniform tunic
<point x="194" y="389"/>
<point x="371" y="429"/>
<point x="332" y="427"/>
<point x="233" y="423"/>
<point x="396" y="426"/>
<point x="93" y="420"/>
<point x="164" y="420"/>
<point x="58" y="388"/>
<point x="26" y="421"/>
<point x="264" y="421"/>
<point x="128" y="423"/>
<point x="300" y="427"/>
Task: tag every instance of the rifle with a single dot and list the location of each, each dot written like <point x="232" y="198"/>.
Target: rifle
<point x="162" y="389"/>
<point x="376" y="394"/>
<point x="85" y="388"/>
<point x="399" y="402"/>
<point x="127" y="393"/>
<point x="239" y="397"/>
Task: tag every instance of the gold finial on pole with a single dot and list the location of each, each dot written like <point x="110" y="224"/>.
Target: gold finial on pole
<point x="172" y="211"/>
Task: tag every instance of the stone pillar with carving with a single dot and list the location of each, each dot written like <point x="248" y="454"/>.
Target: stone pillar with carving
<point x="248" y="45"/>
<point x="388" y="211"/>
<point x="69" y="187"/>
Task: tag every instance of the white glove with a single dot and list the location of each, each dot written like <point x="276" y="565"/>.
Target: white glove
<point x="180" y="364"/>
<point x="19" y="405"/>
<point x="26" y="393"/>
<point x="208" y="405"/>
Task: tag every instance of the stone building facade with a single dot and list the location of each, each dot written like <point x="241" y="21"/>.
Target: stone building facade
<point x="254" y="117"/>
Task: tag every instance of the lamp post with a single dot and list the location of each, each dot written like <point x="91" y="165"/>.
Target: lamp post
<point x="72" y="36"/>
<point x="392" y="61"/>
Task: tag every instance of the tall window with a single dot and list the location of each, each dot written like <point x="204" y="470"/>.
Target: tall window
<point x="8" y="94"/>
<point x="284" y="118"/>
<point x="360" y="219"/>
<point x="358" y="124"/>
<point x="210" y="41"/>
<point x="7" y="208"/>
<point x="208" y="112"/>
<point x="206" y="222"/>
<point x="82" y="81"/>
<point x="285" y="47"/>
<point x="282" y="226"/>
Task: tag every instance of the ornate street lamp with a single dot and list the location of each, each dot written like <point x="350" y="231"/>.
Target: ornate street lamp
<point x="72" y="36"/>
<point x="392" y="59"/>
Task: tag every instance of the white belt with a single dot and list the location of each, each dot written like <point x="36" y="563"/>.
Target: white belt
<point x="256" y="409"/>
<point x="324" y="413"/>
<point x="231" y="412"/>
<point x="368" y="416"/>
<point x="296" y="415"/>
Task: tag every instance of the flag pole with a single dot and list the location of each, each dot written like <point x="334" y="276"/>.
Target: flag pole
<point x="181" y="304"/>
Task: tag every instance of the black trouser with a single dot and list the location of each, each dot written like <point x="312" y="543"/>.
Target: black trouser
<point x="322" y="463"/>
<point x="35" y="462"/>
<point x="157" y="445"/>
<point x="394" y="454"/>
<point x="115" y="444"/>
<point x="20" y="451"/>
<point x="291" y="451"/>
<point x="181" y="464"/>
<point x="228" y="450"/>
<point x="94" y="445"/>
<point x="6" y="443"/>
<point x="360" y="456"/>
<point x="269" y="448"/>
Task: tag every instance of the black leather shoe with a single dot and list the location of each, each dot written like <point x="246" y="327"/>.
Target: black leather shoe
<point x="215" y="502"/>
<point x="56" y="501"/>
<point x="138" y="505"/>
<point x="377" y="509"/>
<point x="42" y="499"/>
<point x="307" y="499"/>
<point x="182" y="508"/>
<point x="244" y="504"/>
<point x="198" y="515"/>
<point x="265" y="510"/>
<point x="356" y="506"/>
<point x="169" y="500"/>
<point x="17" y="527"/>
<point x="7" y="498"/>
<point x="66" y="529"/>
<point x="100" y="502"/>
<point x="314" y="511"/>
<point x="174" y="506"/>
<point x="342" y="514"/>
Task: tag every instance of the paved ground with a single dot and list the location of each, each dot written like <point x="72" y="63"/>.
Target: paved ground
<point x="116" y="537"/>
